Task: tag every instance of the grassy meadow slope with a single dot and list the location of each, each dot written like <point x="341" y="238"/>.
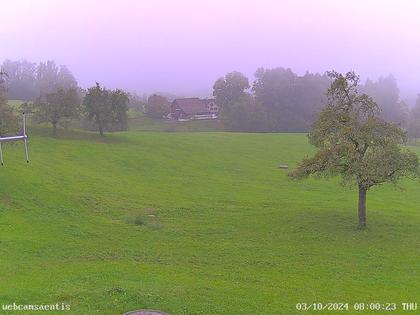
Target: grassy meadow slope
<point x="194" y="223"/>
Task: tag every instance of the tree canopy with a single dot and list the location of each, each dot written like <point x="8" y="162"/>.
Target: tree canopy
<point x="28" y="80"/>
<point x="279" y="100"/>
<point x="354" y="142"/>
<point x="8" y="120"/>
<point x="230" y="88"/>
<point x="239" y="110"/>
<point x="157" y="106"/>
<point x="291" y="102"/>
<point x="386" y="94"/>
<point x="414" y="121"/>
<point x="57" y="107"/>
<point x="106" y="108"/>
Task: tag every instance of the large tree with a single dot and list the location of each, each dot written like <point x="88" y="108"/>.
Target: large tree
<point x="119" y="102"/>
<point x="290" y="101"/>
<point x="157" y="106"/>
<point x="414" y="121"/>
<point x="355" y="143"/>
<point x="50" y="77"/>
<point x="8" y="122"/>
<point x="57" y="107"/>
<point x="386" y="94"/>
<point x="244" y="114"/>
<point x="230" y="88"/>
<point x="107" y="109"/>
<point x="98" y="107"/>
<point x="27" y="80"/>
<point x="238" y="109"/>
<point x="21" y="83"/>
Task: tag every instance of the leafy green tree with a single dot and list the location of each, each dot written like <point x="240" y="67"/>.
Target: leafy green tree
<point x="386" y="94"/>
<point x="291" y="102"/>
<point x="106" y="108"/>
<point x="414" y="121"/>
<point x="50" y="77"/>
<point x="21" y="83"/>
<point x="230" y="89"/>
<point x="157" y="106"/>
<point x="3" y="77"/>
<point x="27" y="80"/>
<point x="119" y="102"/>
<point x="238" y="109"/>
<point x="59" y="97"/>
<point x="98" y="107"/>
<point x="354" y="142"/>
<point x="8" y="120"/>
<point x="244" y="115"/>
<point x="57" y="107"/>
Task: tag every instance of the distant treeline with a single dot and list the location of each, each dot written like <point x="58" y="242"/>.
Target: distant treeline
<point x="52" y="93"/>
<point x="28" y="80"/>
<point x="278" y="100"/>
<point x="281" y="101"/>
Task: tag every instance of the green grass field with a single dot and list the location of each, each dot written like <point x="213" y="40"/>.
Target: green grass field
<point x="195" y="223"/>
<point x="15" y="103"/>
<point x="137" y="121"/>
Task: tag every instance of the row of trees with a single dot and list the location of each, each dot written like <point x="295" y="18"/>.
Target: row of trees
<point x="278" y="100"/>
<point x="99" y="108"/>
<point x="281" y="101"/>
<point x="27" y="80"/>
<point x="53" y="95"/>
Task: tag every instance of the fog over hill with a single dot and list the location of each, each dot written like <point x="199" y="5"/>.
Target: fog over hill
<point x="187" y="45"/>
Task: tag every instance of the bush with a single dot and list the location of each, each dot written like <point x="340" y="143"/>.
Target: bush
<point x="139" y="220"/>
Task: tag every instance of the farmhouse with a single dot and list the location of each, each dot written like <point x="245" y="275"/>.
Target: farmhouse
<point x="193" y="108"/>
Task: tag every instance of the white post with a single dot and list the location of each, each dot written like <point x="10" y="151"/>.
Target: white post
<point x="24" y="123"/>
<point x="25" y="139"/>
<point x="26" y="150"/>
<point x="1" y="155"/>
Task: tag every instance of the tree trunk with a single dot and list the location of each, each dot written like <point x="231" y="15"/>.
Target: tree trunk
<point x="54" y="124"/>
<point x="362" y="207"/>
<point x="101" y="130"/>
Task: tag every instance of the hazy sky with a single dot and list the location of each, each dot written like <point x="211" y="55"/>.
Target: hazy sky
<point x="184" y="46"/>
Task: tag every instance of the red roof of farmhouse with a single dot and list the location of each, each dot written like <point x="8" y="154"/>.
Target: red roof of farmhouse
<point x="192" y="105"/>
